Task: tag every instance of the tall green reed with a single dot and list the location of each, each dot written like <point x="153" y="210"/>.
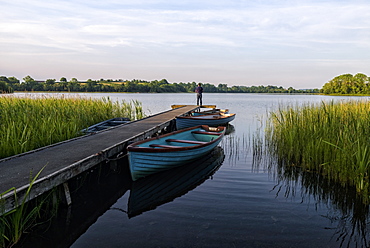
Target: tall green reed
<point x="328" y="138"/>
<point x="14" y="223"/>
<point x="30" y="123"/>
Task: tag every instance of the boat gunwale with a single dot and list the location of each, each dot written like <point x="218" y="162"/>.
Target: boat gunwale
<point x="134" y="148"/>
<point x="203" y="117"/>
<point x="210" y="112"/>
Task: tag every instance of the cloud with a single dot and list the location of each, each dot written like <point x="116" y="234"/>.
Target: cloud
<point x="62" y="24"/>
<point x="214" y="33"/>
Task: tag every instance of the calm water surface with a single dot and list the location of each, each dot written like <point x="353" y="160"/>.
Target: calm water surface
<point x="243" y="204"/>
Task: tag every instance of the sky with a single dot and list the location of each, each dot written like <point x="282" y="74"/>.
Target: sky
<point x="290" y="43"/>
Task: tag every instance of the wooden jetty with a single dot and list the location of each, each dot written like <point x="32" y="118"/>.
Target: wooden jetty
<point x="65" y="160"/>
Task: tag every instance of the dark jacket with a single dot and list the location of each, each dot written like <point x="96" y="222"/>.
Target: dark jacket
<point x="199" y="89"/>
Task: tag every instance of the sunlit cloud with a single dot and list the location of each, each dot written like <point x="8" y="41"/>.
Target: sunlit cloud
<point x="197" y="32"/>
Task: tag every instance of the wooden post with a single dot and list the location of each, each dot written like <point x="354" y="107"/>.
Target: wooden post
<point x="67" y="194"/>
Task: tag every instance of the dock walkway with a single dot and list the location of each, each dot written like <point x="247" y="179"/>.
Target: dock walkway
<point x="65" y="160"/>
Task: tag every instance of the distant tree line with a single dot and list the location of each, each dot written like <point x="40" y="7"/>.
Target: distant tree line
<point x="12" y="84"/>
<point x="6" y="84"/>
<point x="358" y="84"/>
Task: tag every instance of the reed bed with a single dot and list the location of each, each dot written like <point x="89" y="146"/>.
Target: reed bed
<point x="30" y="123"/>
<point x="328" y="138"/>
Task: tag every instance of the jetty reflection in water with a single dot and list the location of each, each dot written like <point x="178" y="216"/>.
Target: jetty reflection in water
<point x="152" y="191"/>
<point x="346" y="209"/>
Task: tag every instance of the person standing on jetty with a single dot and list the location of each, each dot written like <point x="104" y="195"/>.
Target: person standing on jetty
<point x="199" y="91"/>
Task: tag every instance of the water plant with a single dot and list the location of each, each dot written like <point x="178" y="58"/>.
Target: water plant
<point x="328" y="138"/>
<point x="32" y="122"/>
<point x="16" y="221"/>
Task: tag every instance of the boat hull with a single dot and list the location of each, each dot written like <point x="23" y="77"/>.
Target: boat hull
<point x="210" y="120"/>
<point x="144" y="159"/>
<point x="150" y="192"/>
<point x="106" y="125"/>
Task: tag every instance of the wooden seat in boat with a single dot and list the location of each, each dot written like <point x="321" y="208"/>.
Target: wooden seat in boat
<point x="204" y="132"/>
<point x="186" y="141"/>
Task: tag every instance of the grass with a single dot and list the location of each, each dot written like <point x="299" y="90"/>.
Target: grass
<point x="30" y="123"/>
<point x="14" y="223"/>
<point x="328" y="138"/>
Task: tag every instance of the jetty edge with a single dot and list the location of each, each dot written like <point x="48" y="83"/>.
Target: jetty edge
<point x="65" y="160"/>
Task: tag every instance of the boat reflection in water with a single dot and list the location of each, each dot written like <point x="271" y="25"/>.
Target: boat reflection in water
<point x="154" y="190"/>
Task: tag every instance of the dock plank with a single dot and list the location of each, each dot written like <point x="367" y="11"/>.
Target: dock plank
<point x="67" y="159"/>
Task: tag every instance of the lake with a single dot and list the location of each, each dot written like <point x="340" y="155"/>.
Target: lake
<point x="231" y="199"/>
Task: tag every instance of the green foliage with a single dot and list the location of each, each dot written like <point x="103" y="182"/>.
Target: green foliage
<point x="5" y="87"/>
<point x="348" y="84"/>
<point x="330" y="138"/>
<point x="14" y="223"/>
<point x="161" y="86"/>
<point x="27" y="124"/>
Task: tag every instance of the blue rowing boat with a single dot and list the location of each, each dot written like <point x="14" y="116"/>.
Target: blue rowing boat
<point x="106" y="124"/>
<point x="212" y="120"/>
<point x="152" y="191"/>
<point x="171" y="150"/>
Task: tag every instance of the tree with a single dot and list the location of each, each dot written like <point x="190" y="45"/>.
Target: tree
<point x="4" y="79"/>
<point x="91" y="85"/>
<point x="5" y="87"/>
<point x="28" y="79"/>
<point x="62" y="85"/>
<point x="130" y="86"/>
<point x="13" y="81"/>
<point x="360" y="84"/>
<point x="347" y="84"/>
<point x="222" y="88"/>
<point x="163" y="81"/>
<point x="73" y="85"/>
<point x="191" y="86"/>
<point x="30" y="83"/>
<point x="50" y="81"/>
